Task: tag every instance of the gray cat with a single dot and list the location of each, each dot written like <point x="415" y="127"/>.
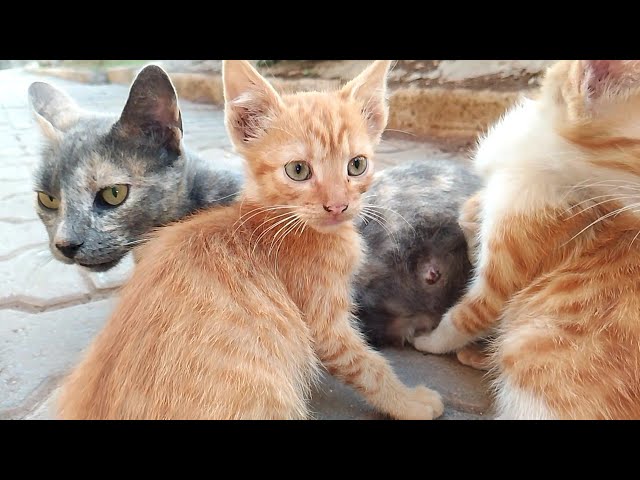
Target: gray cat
<point x="104" y="182"/>
<point x="418" y="263"/>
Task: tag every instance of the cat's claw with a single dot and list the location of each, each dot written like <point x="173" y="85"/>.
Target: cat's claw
<point x="422" y="404"/>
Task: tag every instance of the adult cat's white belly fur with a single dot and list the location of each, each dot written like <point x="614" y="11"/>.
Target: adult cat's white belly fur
<point x="513" y="403"/>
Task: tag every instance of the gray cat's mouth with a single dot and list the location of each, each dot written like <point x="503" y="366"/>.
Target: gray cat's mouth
<point x="100" y="267"/>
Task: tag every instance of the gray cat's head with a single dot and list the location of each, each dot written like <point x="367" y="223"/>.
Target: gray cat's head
<point x="103" y="182"/>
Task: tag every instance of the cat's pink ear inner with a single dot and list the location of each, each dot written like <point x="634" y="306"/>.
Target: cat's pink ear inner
<point x="370" y="90"/>
<point x="250" y="101"/>
<point x="608" y="77"/>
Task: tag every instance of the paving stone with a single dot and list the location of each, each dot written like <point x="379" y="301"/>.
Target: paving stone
<point x="17" y="173"/>
<point x="463" y="389"/>
<point x="15" y="237"/>
<point x="35" y="278"/>
<point x="36" y="347"/>
<point x="20" y="158"/>
<point x="11" y="188"/>
<point x="19" y="208"/>
<point x="21" y="119"/>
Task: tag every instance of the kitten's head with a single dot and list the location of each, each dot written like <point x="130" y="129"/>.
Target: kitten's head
<point x="103" y="182"/>
<point x="595" y="105"/>
<point x="310" y="151"/>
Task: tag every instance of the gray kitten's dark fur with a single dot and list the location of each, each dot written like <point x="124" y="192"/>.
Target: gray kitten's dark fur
<point x="417" y="265"/>
<point x="86" y="152"/>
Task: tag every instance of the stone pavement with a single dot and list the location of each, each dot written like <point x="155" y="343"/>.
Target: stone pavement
<point x="49" y="312"/>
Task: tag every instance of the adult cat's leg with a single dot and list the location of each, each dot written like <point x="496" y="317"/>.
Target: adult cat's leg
<point x="500" y="272"/>
<point x="469" y="221"/>
<point x="346" y="355"/>
<point x="473" y="355"/>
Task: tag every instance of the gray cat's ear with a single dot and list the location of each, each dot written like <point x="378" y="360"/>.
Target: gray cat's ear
<point x="152" y="110"/>
<point x="250" y="101"/>
<point x="369" y="89"/>
<point x="53" y="109"/>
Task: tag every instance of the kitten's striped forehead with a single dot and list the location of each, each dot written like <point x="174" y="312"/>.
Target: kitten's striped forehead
<point x="332" y="128"/>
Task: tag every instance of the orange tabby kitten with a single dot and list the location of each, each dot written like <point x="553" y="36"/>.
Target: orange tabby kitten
<point x="229" y="313"/>
<point x="559" y="260"/>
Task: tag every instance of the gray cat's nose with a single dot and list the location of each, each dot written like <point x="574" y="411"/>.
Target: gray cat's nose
<point x="69" y="249"/>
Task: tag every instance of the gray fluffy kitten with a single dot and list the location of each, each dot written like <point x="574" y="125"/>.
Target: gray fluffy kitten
<point x="418" y="264"/>
<point x="104" y="182"/>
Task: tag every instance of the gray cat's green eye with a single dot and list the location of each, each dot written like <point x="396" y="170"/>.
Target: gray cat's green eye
<point x="47" y="201"/>
<point x="298" y="171"/>
<point x="357" y="166"/>
<point x="114" y="195"/>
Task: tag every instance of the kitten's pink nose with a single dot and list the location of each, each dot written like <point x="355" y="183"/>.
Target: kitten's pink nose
<point x="336" y="209"/>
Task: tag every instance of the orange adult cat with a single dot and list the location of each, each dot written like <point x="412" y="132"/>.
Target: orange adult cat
<point x="559" y="264"/>
<point x="229" y="313"/>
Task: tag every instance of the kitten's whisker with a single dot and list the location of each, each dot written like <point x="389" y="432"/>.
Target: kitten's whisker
<point x="379" y="222"/>
<point x="267" y="220"/>
<point x="226" y="196"/>
<point x="290" y="216"/>
<point x="259" y="210"/>
<point x="277" y="252"/>
<point x="634" y="239"/>
<point x="291" y="220"/>
<point x="288" y="228"/>
<point x="392" y="211"/>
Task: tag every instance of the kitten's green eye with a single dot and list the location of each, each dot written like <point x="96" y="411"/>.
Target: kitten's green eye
<point x="298" y="171"/>
<point x="114" y="195"/>
<point x="357" y="166"/>
<point x="47" y="201"/>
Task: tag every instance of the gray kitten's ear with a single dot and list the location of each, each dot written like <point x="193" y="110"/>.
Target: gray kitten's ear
<point x="370" y="90"/>
<point x="250" y="101"/>
<point x="54" y="110"/>
<point x="152" y="110"/>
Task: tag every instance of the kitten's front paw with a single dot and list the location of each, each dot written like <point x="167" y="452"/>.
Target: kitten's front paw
<point x="422" y="404"/>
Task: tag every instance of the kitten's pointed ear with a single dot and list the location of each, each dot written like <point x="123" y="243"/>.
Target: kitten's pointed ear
<point x="370" y="90"/>
<point x="250" y="101"/>
<point x="152" y="110"/>
<point x="53" y="109"/>
<point x="607" y="78"/>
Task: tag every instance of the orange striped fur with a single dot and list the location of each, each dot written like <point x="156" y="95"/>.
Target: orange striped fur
<point x="557" y="273"/>
<point x="230" y="313"/>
